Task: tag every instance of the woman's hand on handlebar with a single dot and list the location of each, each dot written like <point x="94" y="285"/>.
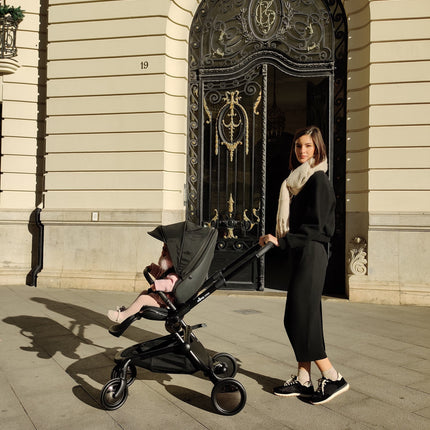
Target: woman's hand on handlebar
<point x="264" y="240"/>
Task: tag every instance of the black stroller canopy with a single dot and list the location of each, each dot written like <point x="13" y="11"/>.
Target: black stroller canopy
<point x="186" y="242"/>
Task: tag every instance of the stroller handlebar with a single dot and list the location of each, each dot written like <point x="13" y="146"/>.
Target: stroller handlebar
<point x="148" y="276"/>
<point x="264" y="249"/>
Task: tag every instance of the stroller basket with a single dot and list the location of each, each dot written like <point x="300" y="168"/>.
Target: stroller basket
<point x="162" y="355"/>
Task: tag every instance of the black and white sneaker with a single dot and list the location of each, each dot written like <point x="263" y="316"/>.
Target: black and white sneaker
<point x="328" y="390"/>
<point x="293" y="388"/>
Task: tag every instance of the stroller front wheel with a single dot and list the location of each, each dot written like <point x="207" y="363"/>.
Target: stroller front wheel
<point x="224" y="365"/>
<point x="130" y="374"/>
<point x="110" y="397"/>
<point x="228" y="396"/>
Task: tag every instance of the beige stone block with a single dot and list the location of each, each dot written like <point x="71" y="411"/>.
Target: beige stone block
<point x="411" y="50"/>
<point x="20" y="92"/>
<point x="29" y="57"/>
<point x="29" y="6"/>
<point x="414" y="250"/>
<point x="383" y="254"/>
<point x="20" y="110"/>
<point x="117" y="123"/>
<point x="123" y="66"/>
<point x="15" y="250"/>
<point x="399" y="179"/>
<point x="362" y="289"/>
<point x="17" y="200"/>
<point x="357" y="201"/>
<point x="124" y="142"/>
<point x="359" y="37"/>
<point x="415" y="71"/>
<point x="399" y="201"/>
<point x="357" y="120"/>
<point x="406" y="29"/>
<point x="131" y="103"/>
<point x="143" y="200"/>
<point x="19" y="146"/>
<point x="357" y="182"/>
<point x="357" y="161"/>
<point x="73" y="10"/>
<point x="19" y="127"/>
<point x="115" y="181"/>
<point x="18" y="182"/>
<point x="178" y="31"/>
<point x="136" y="46"/>
<point x="399" y="9"/>
<point x="413" y="114"/>
<point x="26" y="74"/>
<point x="31" y="21"/>
<point x="358" y="79"/>
<point x="358" y="13"/>
<point x="27" y="39"/>
<point x="399" y="158"/>
<point x="121" y="27"/>
<point x="359" y="58"/>
<point x="418" y="295"/>
<point x="137" y="161"/>
<point x="18" y="164"/>
<point x="400" y="93"/>
<point x="174" y="181"/>
<point x="399" y="136"/>
<point x="357" y="100"/>
<point x="354" y="7"/>
<point x="182" y="15"/>
<point x="104" y="181"/>
<point x="357" y="140"/>
<point x="117" y="85"/>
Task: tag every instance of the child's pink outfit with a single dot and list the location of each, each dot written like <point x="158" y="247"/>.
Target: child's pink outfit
<point x="147" y="299"/>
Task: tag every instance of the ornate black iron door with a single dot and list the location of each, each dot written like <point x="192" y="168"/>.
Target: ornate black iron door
<point x="232" y="44"/>
<point x="233" y="164"/>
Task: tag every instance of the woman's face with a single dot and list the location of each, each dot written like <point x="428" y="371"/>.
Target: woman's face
<point x="304" y="148"/>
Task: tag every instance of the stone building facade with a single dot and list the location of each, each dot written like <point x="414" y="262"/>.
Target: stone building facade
<point x="94" y="141"/>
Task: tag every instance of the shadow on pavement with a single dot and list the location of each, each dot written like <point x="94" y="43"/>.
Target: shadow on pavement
<point x="48" y="337"/>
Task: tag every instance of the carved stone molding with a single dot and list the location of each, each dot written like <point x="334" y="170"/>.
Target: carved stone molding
<point x="8" y="65"/>
<point x="357" y="256"/>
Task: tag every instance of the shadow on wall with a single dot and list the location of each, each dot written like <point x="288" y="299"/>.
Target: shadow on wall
<point x="35" y="227"/>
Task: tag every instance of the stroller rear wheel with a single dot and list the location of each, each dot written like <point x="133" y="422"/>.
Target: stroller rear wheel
<point x="224" y="365"/>
<point x="228" y="396"/>
<point x="130" y="375"/>
<point x="111" y="398"/>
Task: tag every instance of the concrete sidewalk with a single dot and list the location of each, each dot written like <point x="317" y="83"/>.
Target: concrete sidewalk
<point x="56" y="354"/>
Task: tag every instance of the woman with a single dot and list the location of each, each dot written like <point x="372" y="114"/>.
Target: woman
<point x="304" y="226"/>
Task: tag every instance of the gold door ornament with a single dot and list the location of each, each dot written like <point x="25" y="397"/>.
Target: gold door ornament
<point x="232" y="124"/>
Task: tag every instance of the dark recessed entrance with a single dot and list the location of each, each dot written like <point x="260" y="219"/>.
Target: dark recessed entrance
<point x="258" y="71"/>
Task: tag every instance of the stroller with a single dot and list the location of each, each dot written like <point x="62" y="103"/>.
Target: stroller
<point x="191" y="248"/>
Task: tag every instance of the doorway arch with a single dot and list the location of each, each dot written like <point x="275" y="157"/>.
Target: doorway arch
<point x="239" y="51"/>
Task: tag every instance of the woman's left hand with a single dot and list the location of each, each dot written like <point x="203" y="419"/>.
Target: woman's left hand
<point x="264" y="240"/>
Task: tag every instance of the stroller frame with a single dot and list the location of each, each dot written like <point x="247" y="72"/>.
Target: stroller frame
<point x="180" y="351"/>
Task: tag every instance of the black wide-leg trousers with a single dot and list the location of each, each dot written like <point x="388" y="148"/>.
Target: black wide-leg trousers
<point x="303" y="314"/>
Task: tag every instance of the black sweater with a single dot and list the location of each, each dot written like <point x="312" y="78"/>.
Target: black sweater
<point x="312" y="213"/>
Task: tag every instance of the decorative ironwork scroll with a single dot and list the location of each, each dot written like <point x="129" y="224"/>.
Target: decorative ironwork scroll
<point x="228" y="32"/>
<point x="232" y="184"/>
<point x="232" y="128"/>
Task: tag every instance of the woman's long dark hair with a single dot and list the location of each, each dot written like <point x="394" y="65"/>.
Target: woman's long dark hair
<point x="320" y="150"/>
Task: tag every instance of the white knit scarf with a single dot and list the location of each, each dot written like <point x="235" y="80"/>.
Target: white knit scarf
<point x="291" y="187"/>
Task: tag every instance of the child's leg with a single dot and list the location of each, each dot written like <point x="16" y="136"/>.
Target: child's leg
<point x="143" y="299"/>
